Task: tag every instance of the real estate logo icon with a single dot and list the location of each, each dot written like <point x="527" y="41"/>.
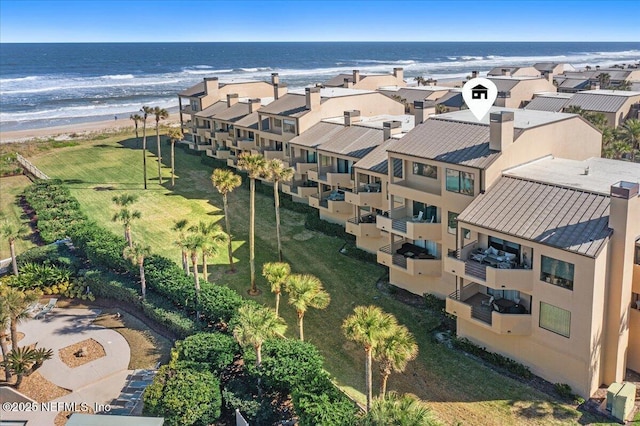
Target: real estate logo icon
<point x="479" y="94"/>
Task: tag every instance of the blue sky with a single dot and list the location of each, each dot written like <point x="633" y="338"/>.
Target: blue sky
<point x="345" y="20"/>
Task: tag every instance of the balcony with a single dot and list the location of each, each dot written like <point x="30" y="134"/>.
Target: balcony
<point x="405" y="189"/>
<point x="326" y="176"/>
<point x="331" y="201"/>
<point x="475" y="308"/>
<point x="300" y="189"/>
<point x="410" y="259"/>
<point x="223" y="154"/>
<point x="489" y="271"/>
<point x="410" y="227"/>
<point x="364" y="226"/>
<point x="232" y="161"/>
<point x="303" y="168"/>
<point x="246" y="144"/>
<point x="365" y="197"/>
<point x="221" y="135"/>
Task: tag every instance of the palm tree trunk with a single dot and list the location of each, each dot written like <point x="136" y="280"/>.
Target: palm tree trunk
<point x="252" y="217"/>
<point x="19" y="380"/>
<point x="185" y="262"/>
<point x="159" y="154"/>
<point x="127" y="235"/>
<point x="258" y="349"/>
<point x="277" y="303"/>
<point x="383" y="384"/>
<point x="14" y="263"/>
<point x="301" y="325"/>
<point x="367" y="366"/>
<point x="13" y="327"/>
<point x="5" y="351"/>
<point x="144" y="153"/>
<point x="196" y="278"/>
<point x="143" y="281"/>
<point x="276" y="197"/>
<point x="228" y="226"/>
<point x="205" y="273"/>
<point x="173" y="164"/>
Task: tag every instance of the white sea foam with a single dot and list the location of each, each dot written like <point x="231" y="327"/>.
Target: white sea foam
<point x="118" y="77"/>
<point x="18" y="79"/>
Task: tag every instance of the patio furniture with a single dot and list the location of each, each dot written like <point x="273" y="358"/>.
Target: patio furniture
<point x="48" y="308"/>
<point x="488" y="302"/>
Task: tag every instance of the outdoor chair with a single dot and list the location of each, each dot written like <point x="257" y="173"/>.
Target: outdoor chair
<point x="48" y="308"/>
<point x="488" y="302"/>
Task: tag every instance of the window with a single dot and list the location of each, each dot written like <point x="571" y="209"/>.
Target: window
<point x="504" y="245"/>
<point x="466" y="233"/>
<point x="277" y="122"/>
<point x="289" y="126"/>
<point x="460" y="182"/>
<point x="452" y="223"/>
<point x="251" y="135"/>
<point x="557" y="272"/>
<point x="311" y="157"/>
<point x="397" y="167"/>
<point x="425" y="170"/>
<point x="555" y="319"/>
<point x="429" y="213"/>
<point x="325" y="160"/>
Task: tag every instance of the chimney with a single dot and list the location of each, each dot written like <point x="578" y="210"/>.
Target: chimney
<point x="624" y="210"/>
<point x="312" y="97"/>
<point x="506" y="72"/>
<point x="432" y="82"/>
<point x="594" y="86"/>
<point x="548" y="75"/>
<point x="348" y="84"/>
<point x="399" y="74"/>
<point x="500" y="130"/>
<point x="351" y="117"/>
<point x="232" y="99"/>
<point x="254" y="104"/>
<point x="418" y="112"/>
<point x="356" y="76"/>
<point x="275" y="82"/>
<point x="390" y="128"/>
<point x="211" y="86"/>
<point x="474" y="74"/>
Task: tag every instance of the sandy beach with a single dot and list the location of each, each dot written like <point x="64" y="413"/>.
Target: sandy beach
<point x="64" y="132"/>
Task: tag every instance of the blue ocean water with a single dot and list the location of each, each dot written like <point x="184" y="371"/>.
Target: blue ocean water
<point x="51" y="84"/>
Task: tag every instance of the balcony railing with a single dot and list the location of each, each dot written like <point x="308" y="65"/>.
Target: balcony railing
<point x="412" y="259"/>
<point x="363" y="226"/>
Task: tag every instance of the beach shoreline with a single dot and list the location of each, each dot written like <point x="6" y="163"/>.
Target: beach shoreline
<point x="65" y="132"/>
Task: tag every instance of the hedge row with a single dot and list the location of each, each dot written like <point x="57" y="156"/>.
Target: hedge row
<point x="498" y="360"/>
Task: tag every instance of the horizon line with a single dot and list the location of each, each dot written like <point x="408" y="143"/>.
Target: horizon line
<point x="327" y="41"/>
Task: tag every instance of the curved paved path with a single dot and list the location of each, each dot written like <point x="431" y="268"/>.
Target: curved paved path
<point x="97" y="382"/>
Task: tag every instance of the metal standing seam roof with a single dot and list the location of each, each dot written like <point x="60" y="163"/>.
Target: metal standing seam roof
<point x="451" y="99"/>
<point x="249" y="121"/>
<point x="377" y="160"/>
<point x="411" y="94"/>
<point x="212" y="110"/>
<point x="544" y="103"/>
<point x="505" y="84"/>
<point x="316" y="134"/>
<point x="234" y="113"/>
<point x="572" y="83"/>
<point x="449" y="141"/>
<point x="352" y="141"/>
<point x="566" y="218"/>
<point x="195" y="90"/>
<point x="338" y="80"/>
<point x="598" y="102"/>
<point x="291" y="104"/>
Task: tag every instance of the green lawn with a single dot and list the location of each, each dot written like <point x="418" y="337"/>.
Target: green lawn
<point x="456" y="387"/>
<point x="10" y="188"/>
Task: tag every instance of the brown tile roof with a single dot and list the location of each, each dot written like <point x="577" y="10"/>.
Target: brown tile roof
<point x="449" y="141"/>
<point x="566" y="218"/>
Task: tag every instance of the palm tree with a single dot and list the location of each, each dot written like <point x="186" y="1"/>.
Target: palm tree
<point x="146" y="111"/>
<point x="5" y="320"/>
<point x="125" y="215"/>
<point x="604" y="79"/>
<point x="276" y="273"/>
<point x="368" y="326"/>
<point x="21" y="361"/>
<point x="175" y="135"/>
<point x="11" y="233"/>
<point x="160" y="114"/>
<point x="193" y="244"/>
<point x="137" y="253"/>
<point x="255" y="166"/>
<point x="306" y="291"/>
<point x="212" y="235"/>
<point x="180" y="226"/>
<point x="630" y="133"/>
<point x="16" y="304"/>
<point x="136" y="119"/>
<point x="420" y="80"/>
<point x="226" y="181"/>
<point x="277" y="172"/>
<point x="398" y="410"/>
<point x="624" y="85"/>
<point x="441" y="109"/>
<point x="394" y="353"/>
<point x="255" y="325"/>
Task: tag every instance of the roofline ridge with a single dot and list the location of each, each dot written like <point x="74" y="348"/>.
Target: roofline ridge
<point x="557" y="185"/>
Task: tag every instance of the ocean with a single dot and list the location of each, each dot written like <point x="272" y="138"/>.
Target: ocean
<point x="53" y="84"/>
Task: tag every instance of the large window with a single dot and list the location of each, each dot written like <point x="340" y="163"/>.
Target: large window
<point x="277" y="122"/>
<point x="555" y="319"/>
<point x="397" y="167"/>
<point x="557" y="272"/>
<point x="429" y="213"/>
<point x="452" y="222"/>
<point x="504" y="245"/>
<point x="425" y="170"/>
<point x="460" y="182"/>
<point x="289" y="126"/>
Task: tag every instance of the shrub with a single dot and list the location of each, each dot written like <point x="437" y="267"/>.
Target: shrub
<point x="565" y="392"/>
<point x="324" y="409"/>
<point x="168" y="279"/>
<point x="255" y="408"/>
<point x="183" y="397"/>
<point x="158" y="309"/>
<point x="51" y="254"/>
<point x="288" y="365"/>
<point x="434" y="303"/>
<point x="498" y="360"/>
<point x="215" y="349"/>
<point x="112" y="286"/>
<point x="219" y="303"/>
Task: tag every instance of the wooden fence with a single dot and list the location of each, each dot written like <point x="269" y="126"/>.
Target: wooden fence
<point x="30" y="168"/>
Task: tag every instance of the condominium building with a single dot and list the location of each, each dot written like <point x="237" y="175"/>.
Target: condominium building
<point x="515" y="92"/>
<point x="616" y="105"/>
<point x="205" y="94"/>
<point x="526" y="71"/>
<point x="356" y="80"/>
<point x="547" y="270"/>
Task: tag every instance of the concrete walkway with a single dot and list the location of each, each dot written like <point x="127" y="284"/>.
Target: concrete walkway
<point x="94" y="383"/>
